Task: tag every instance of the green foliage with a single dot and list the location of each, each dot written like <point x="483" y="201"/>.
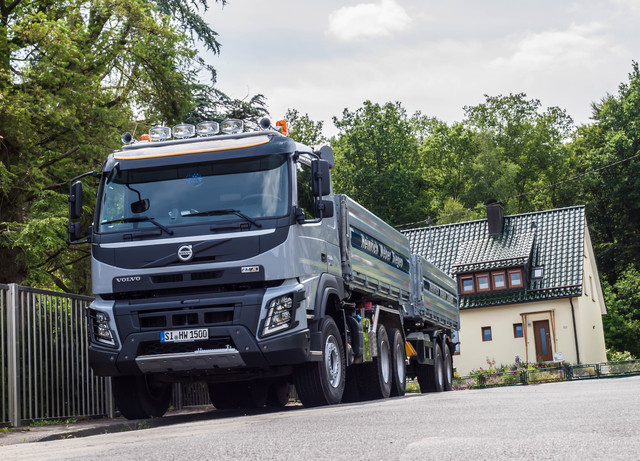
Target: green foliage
<point x="72" y="75"/>
<point x="622" y="322"/>
<point x="303" y="129"/>
<point x="377" y="162"/>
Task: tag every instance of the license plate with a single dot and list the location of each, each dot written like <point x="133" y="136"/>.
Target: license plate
<point x="179" y="336"/>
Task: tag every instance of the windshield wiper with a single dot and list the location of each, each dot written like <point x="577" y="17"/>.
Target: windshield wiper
<point x="224" y="212"/>
<point x="140" y="219"/>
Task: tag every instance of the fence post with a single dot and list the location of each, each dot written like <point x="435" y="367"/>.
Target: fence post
<point x="13" y="355"/>
<point x="111" y="410"/>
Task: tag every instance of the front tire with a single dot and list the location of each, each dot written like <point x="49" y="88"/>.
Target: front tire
<point x="322" y="383"/>
<point x="139" y="397"/>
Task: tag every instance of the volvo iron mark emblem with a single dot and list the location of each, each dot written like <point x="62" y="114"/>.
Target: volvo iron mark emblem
<point x="185" y="253"/>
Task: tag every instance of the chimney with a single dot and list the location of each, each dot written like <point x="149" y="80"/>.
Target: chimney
<point x="495" y="217"/>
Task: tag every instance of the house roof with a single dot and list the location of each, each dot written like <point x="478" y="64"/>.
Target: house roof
<point x="553" y="239"/>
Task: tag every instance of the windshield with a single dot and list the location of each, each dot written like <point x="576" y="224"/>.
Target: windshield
<point x="233" y="190"/>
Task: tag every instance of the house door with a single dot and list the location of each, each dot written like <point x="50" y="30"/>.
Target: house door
<point x="544" y="352"/>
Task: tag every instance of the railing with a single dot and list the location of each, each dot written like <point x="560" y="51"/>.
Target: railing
<point x="551" y="374"/>
<point x="45" y="367"/>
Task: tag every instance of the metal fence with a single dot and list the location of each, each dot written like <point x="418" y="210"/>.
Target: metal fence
<point x="550" y="374"/>
<point x="45" y="367"/>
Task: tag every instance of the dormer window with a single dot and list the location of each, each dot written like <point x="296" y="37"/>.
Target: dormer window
<point x="515" y="278"/>
<point x="482" y="281"/>
<point x="499" y="280"/>
<point x="466" y="284"/>
<point x="488" y="281"/>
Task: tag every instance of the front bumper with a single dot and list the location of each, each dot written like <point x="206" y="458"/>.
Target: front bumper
<point x="230" y="348"/>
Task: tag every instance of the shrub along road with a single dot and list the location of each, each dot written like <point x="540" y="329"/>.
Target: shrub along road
<point x="595" y="419"/>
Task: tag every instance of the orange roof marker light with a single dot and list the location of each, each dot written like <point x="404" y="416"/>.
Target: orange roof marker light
<point x="145" y="138"/>
<point x="282" y="126"/>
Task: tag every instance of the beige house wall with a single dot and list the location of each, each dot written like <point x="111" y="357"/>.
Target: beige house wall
<point x="504" y="347"/>
<point x="589" y="310"/>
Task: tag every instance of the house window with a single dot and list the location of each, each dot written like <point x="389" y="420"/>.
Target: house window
<point x="499" y="280"/>
<point x="486" y="334"/>
<point x="517" y="330"/>
<point x="515" y="278"/>
<point x="466" y="284"/>
<point x="483" y="282"/>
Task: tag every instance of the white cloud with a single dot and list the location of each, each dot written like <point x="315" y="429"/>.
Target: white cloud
<point x="366" y="20"/>
<point x="577" y="45"/>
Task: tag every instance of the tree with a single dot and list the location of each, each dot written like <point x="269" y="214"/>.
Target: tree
<point x="611" y="145"/>
<point x="520" y="149"/>
<point x="377" y="162"/>
<point x="72" y="75"/>
<point x="303" y="129"/>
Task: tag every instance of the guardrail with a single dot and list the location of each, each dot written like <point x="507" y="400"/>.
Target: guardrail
<point x="550" y="374"/>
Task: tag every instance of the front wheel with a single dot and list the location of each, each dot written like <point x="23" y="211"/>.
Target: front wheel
<point x="140" y="397"/>
<point x="322" y="383"/>
<point x="448" y="367"/>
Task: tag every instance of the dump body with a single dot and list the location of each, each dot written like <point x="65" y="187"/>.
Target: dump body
<point x="375" y="256"/>
<point x="433" y="295"/>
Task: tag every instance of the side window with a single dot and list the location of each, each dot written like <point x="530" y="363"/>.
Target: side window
<point x="305" y="195"/>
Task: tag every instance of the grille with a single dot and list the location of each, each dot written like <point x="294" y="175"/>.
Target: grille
<point x="196" y="317"/>
<point x="157" y="348"/>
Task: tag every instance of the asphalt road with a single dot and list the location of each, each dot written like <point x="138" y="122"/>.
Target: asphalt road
<point x="586" y="420"/>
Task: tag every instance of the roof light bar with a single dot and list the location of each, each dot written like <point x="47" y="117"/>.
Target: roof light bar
<point x="207" y="128"/>
<point x="232" y="126"/>
<point x="159" y="133"/>
<point x="184" y="130"/>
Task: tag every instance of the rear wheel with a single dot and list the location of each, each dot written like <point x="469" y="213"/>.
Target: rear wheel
<point x="322" y="383"/>
<point x="398" y="363"/>
<point x="225" y="396"/>
<point x="448" y="367"/>
<point x="431" y="377"/>
<point x="141" y="396"/>
<point x="376" y="377"/>
<point x="279" y="393"/>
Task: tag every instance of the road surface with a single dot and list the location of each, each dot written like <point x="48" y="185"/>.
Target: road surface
<point x="585" y="420"/>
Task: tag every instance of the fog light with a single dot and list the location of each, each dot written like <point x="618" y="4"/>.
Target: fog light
<point x="279" y="315"/>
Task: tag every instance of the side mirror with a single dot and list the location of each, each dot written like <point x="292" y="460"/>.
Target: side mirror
<point x="75" y="200"/>
<point x="320" y="178"/>
<point x="75" y="231"/>
<point x="324" y="209"/>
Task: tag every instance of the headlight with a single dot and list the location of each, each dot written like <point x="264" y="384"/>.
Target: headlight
<point x="279" y="315"/>
<point x="100" y="327"/>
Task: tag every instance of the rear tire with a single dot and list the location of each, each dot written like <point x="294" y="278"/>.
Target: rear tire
<point x="141" y="396"/>
<point x="375" y="378"/>
<point x="431" y="377"/>
<point x="226" y="396"/>
<point x="279" y="393"/>
<point x="398" y="363"/>
<point x="322" y="383"/>
<point x="448" y="368"/>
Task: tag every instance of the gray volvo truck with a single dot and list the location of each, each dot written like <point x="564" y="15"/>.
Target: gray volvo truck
<point x="227" y="259"/>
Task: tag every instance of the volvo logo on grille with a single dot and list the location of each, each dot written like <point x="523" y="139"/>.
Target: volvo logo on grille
<point x="185" y="253"/>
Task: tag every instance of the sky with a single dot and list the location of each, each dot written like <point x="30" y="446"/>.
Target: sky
<point x="436" y="57"/>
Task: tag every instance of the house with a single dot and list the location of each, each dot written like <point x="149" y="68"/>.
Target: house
<point x="528" y="286"/>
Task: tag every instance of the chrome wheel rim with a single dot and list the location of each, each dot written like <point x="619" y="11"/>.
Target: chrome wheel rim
<point x="332" y="361"/>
